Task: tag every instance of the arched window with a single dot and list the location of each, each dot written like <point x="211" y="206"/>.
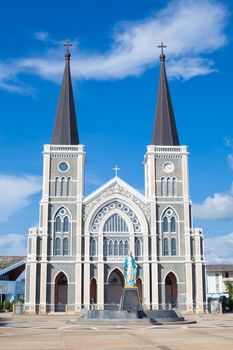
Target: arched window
<point x="121" y="248"/>
<point x="163" y="187"/>
<point x="115" y="248"/>
<point x="66" y="224"/>
<point x="110" y="248"/>
<point x="165" y="247"/>
<point x="65" y="246"/>
<point x="168" y="186"/>
<point x="174" y="186"/>
<point x="138" y="247"/>
<point x="115" y="224"/>
<point x="69" y="186"/>
<point x="62" y="186"/>
<point x="56" y="186"/>
<point x="58" y="224"/>
<point x="165" y="224"/>
<point x="173" y="224"/>
<point x="57" y="246"/>
<point x="173" y="246"/>
<point x="105" y="247"/>
<point x="126" y="248"/>
<point x="93" y="248"/>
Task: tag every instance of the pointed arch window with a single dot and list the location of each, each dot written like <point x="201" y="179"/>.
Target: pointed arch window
<point x="173" y="186"/>
<point x="121" y="248"/>
<point x="66" y="224"/>
<point x="173" y="246"/>
<point x="57" y="246"/>
<point x="62" y="186"/>
<point x="173" y="224"/>
<point x="56" y="186"/>
<point x="165" y="224"/>
<point x="105" y="247"/>
<point x="69" y="186"/>
<point x="115" y="248"/>
<point x="93" y="248"/>
<point x="165" y="247"/>
<point x="58" y="224"/>
<point x="126" y="248"/>
<point x="163" y="187"/>
<point x="115" y="224"/>
<point x="138" y="248"/>
<point x="110" y="248"/>
<point x="169" y="186"/>
<point x="65" y="246"/>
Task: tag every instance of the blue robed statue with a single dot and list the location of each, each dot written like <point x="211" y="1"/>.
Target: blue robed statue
<point x="130" y="271"/>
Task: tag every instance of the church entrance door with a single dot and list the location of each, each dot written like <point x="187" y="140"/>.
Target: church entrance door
<point x="114" y="289"/>
<point x="170" y="290"/>
<point x="61" y="292"/>
<point x="93" y="291"/>
<point x="139" y="285"/>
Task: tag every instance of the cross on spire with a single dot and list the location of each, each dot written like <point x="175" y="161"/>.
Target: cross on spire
<point x="67" y="45"/>
<point x="116" y="169"/>
<point x="162" y="46"/>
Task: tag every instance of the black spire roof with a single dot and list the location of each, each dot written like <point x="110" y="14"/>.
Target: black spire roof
<point x="165" y="132"/>
<point x="65" y="130"/>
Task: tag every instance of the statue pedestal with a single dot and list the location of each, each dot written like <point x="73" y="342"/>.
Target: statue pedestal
<point x="130" y="299"/>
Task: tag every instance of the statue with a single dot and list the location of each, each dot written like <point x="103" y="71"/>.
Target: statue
<point x="130" y="271"/>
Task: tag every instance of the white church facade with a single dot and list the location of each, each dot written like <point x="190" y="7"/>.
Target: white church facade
<point x="75" y="257"/>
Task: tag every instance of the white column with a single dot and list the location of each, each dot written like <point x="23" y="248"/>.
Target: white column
<point x="100" y="286"/>
<point x="86" y="285"/>
<point x="78" y="234"/>
<point x="43" y="270"/>
<point x="187" y="232"/>
<point x="31" y="267"/>
<point x="150" y="190"/>
<point x="198" y="272"/>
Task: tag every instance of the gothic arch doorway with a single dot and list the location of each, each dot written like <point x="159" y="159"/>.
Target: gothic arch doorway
<point x="61" y="292"/>
<point x="93" y="291"/>
<point x="139" y="285"/>
<point x="170" y="290"/>
<point x="114" y="289"/>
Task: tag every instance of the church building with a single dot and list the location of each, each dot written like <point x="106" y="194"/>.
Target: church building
<point x="75" y="257"/>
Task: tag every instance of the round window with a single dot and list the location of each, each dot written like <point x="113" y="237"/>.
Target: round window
<point x="63" y="166"/>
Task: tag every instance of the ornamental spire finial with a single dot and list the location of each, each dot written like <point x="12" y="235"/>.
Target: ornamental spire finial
<point x="162" y="55"/>
<point x="67" y="55"/>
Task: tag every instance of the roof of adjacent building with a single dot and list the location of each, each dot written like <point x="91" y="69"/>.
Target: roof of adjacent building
<point x="165" y="131"/>
<point x="7" y="261"/>
<point x="65" y="130"/>
<point x="220" y="267"/>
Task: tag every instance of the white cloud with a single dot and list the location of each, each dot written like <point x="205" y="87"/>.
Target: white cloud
<point x="12" y="244"/>
<point x="230" y="160"/>
<point x="42" y="36"/>
<point x="219" y="250"/>
<point x="217" y="207"/>
<point x="190" y="29"/>
<point x="15" y="193"/>
<point x="187" y="68"/>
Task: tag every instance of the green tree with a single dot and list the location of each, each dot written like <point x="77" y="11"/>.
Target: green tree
<point x="229" y="289"/>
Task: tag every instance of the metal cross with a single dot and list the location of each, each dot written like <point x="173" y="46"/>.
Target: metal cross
<point x="68" y="45"/>
<point x="116" y="169"/>
<point x="161" y="46"/>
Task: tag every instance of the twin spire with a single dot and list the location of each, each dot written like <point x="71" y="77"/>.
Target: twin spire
<point x="65" y="128"/>
<point x="165" y="131"/>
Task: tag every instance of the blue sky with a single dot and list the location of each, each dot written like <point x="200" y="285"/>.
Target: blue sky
<point x="115" y="69"/>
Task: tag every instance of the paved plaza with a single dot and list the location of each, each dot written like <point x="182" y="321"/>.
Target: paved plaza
<point x="65" y="333"/>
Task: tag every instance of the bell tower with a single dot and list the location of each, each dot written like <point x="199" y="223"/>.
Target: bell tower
<point x="55" y="246"/>
<point x="173" y="247"/>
